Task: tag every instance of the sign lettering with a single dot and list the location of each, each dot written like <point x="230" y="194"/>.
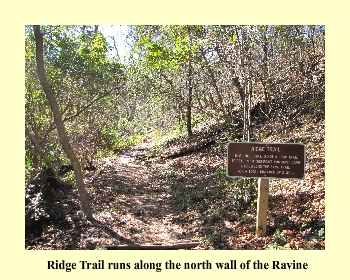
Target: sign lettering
<point x="266" y="160"/>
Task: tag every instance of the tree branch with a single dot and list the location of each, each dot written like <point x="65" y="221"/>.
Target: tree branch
<point x="176" y="246"/>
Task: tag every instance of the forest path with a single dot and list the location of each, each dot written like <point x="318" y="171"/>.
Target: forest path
<point x="132" y="202"/>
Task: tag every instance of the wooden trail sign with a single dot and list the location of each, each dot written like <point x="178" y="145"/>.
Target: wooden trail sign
<point x="265" y="161"/>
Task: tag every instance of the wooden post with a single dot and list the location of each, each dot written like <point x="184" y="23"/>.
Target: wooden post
<point x="263" y="197"/>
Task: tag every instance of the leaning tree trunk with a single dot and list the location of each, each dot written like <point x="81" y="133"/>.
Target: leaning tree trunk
<point x="85" y="203"/>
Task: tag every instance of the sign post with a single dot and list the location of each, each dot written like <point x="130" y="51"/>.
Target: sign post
<point x="263" y="198"/>
<point x="265" y="161"/>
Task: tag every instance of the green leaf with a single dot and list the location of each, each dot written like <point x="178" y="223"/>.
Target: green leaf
<point x="234" y="38"/>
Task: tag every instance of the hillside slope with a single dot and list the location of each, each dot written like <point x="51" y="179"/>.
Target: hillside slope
<point x="170" y="192"/>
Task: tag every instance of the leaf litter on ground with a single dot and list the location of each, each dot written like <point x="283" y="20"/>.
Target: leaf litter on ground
<point x="153" y="200"/>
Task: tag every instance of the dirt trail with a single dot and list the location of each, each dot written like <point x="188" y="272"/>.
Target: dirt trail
<point x="142" y="209"/>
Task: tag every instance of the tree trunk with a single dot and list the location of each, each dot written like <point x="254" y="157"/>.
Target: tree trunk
<point x="213" y="81"/>
<point x="84" y="198"/>
<point x="240" y="89"/>
<point x="189" y="99"/>
<point x="265" y="72"/>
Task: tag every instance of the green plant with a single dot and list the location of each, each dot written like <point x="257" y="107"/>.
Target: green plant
<point x="244" y="218"/>
<point x="127" y="141"/>
<point x="222" y="175"/>
<point x="86" y="172"/>
<point x="217" y="212"/>
<point x="92" y="189"/>
<point x="303" y="226"/>
<point x="155" y="151"/>
<point x="244" y="193"/>
<point x="108" y="137"/>
<point x="222" y="142"/>
<point x="279" y="234"/>
<point x="276" y="246"/>
<point x="28" y="162"/>
<point x="212" y="236"/>
<point x="69" y="177"/>
<point x="198" y="119"/>
<point x="321" y="233"/>
<point x="189" y="201"/>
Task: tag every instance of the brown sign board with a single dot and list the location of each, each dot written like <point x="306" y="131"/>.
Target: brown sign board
<point x="266" y="160"/>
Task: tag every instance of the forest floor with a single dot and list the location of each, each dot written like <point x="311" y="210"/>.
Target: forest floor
<point x="143" y="196"/>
